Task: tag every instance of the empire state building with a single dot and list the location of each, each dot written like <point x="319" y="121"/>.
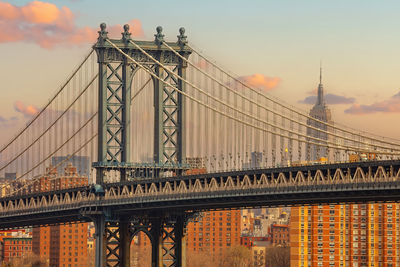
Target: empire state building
<point x="321" y="112"/>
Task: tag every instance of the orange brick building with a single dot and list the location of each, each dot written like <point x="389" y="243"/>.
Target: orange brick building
<point x="61" y="245"/>
<point x="214" y="232"/>
<point x="345" y="235"/>
<point x="16" y="247"/>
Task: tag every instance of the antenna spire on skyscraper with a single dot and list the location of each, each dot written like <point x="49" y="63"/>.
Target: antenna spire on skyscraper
<point x="320" y="97"/>
<point x="320" y="72"/>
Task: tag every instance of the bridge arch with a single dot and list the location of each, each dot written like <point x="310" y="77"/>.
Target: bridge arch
<point x="141" y="252"/>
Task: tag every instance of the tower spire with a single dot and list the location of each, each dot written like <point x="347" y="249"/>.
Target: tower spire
<point x="320" y="72"/>
<point x="320" y="99"/>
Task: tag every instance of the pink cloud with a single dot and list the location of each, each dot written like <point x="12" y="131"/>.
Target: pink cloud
<point x="136" y="29"/>
<point x="8" y="11"/>
<point x="313" y="92"/>
<point x="27" y="110"/>
<point x="261" y="81"/>
<point x="391" y="105"/>
<point x="47" y="25"/>
<point x="331" y="99"/>
<point x="43" y="13"/>
<point x="202" y="64"/>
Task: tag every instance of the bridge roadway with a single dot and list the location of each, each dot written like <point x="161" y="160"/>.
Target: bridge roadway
<point x="289" y="186"/>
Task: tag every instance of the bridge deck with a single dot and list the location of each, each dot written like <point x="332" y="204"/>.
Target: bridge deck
<point x="331" y="183"/>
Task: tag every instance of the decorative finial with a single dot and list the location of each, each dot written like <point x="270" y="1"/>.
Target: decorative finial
<point x="102" y="33"/>
<point x="126" y="35"/>
<point x="182" y="38"/>
<point x="159" y="36"/>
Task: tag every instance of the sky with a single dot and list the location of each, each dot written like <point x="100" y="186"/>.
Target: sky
<point x="274" y="45"/>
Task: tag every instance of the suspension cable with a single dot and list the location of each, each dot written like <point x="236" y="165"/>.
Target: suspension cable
<point x="56" y="166"/>
<point x="220" y="101"/>
<point x="69" y="157"/>
<point x="229" y="107"/>
<point x="268" y="109"/>
<point x="289" y="108"/>
<point x="48" y="103"/>
<point x="51" y="125"/>
<point x="231" y="117"/>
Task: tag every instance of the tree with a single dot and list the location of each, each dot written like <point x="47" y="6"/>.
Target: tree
<point x="28" y="260"/>
<point x="199" y="259"/>
<point x="278" y="257"/>
<point x="237" y="256"/>
<point x="140" y="256"/>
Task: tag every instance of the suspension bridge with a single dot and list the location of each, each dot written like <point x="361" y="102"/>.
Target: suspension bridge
<point x="145" y="113"/>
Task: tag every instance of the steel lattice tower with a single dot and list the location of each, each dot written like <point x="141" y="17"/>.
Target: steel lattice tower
<point x="116" y="72"/>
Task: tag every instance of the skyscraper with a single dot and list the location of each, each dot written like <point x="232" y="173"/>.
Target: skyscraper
<point x="351" y="235"/>
<point x="321" y="112"/>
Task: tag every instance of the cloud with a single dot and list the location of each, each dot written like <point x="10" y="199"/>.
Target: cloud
<point x="27" y="110"/>
<point x="10" y="122"/>
<point x="391" y="105"/>
<point x="202" y="64"/>
<point x="47" y="25"/>
<point x="313" y="92"/>
<point x="136" y="29"/>
<point x="261" y="81"/>
<point x="330" y="99"/>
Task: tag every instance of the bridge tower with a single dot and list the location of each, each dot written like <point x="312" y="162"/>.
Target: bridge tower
<point x="115" y="230"/>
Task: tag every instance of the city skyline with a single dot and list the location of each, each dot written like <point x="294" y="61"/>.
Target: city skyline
<point x="356" y="91"/>
<point x="153" y="144"/>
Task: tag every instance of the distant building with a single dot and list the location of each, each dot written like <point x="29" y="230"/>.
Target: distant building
<point x="255" y="160"/>
<point x="280" y="235"/>
<point x="321" y="112"/>
<point x="10" y="176"/>
<point x="82" y="164"/>
<point x="196" y="162"/>
<point x="61" y="245"/>
<point x="249" y="241"/>
<point x="258" y="222"/>
<point x="16" y="247"/>
<point x="259" y="252"/>
<point x="13" y="234"/>
<point x="6" y="183"/>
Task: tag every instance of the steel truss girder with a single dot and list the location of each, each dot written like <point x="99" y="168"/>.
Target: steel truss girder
<point x="113" y="244"/>
<point x="169" y="107"/>
<point x="115" y="76"/>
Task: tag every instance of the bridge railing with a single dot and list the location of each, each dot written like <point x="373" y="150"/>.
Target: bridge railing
<point x="267" y="182"/>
